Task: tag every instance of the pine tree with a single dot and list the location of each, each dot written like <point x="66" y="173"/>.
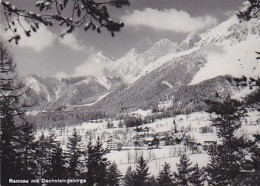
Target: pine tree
<point x="251" y="177"/>
<point x="255" y="150"/>
<point x="184" y="171"/>
<point x="155" y="142"/>
<point x="11" y="105"/>
<point x="128" y="178"/>
<point x="108" y="124"/>
<point x="50" y="158"/>
<point x="226" y="159"/>
<point x="251" y="10"/>
<point x="197" y="177"/>
<point x="74" y="154"/>
<point x="120" y="125"/>
<point x="26" y="152"/>
<point x="175" y="126"/>
<point x="141" y="175"/>
<point x="8" y="144"/>
<point x="96" y="163"/>
<point x="165" y="176"/>
<point x="113" y="176"/>
<point x="40" y="155"/>
<point x="152" y="181"/>
<point x="58" y="169"/>
<point x="50" y="145"/>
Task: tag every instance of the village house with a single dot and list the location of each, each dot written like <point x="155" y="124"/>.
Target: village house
<point x="113" y="143"/>
<point x="167" y="140"/>
<point x="207" y="144"/>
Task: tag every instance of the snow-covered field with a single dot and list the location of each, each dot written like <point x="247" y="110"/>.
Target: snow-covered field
<point x="155" y="166"/>
<point x="191" y="124"/>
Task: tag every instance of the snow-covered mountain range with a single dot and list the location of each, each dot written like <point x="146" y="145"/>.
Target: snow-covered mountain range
<point x="128" y="66"/>
<point x="200" y="66"/>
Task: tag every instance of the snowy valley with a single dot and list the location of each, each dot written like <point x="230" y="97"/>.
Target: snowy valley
<point x="191" y="134"/>
<point x="162" y="91"/>
<point x="133" y="93"/>
<point x="159" y="74"/>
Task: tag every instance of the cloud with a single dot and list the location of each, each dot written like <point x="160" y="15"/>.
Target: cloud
<point x="86" y="69"/>
<point x="71" y="41"/>
<point x="61" y="75"/>
<point x="229" y="13"/>
<point x="168" y="20"/>
<point x="94" y="66"/>
<point x="38" y="41"/>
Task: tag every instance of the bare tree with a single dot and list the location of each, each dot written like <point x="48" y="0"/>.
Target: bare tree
<point x="11" y="89"/>
<point x="12" y="103"/>
<point x="90" y="14"/>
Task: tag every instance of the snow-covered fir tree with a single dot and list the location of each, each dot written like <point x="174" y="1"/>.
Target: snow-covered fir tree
<point x="128" y="178"/>
<point x="50" y="145"/>
<point x="113" y="175"/>
<point x="165" y="177"/>
<point x="96" y="163"/>
<point x="185" y="169"/>
<point x="228" y="158"/>
<point x="26" y="152"/>
<point x="11" y="105"/>
<point x="58" y="168"/>
<point x="40" y="155"/>
<point x="141" y="174"/>
<point x="197" y="177"/>
<point x="74" y="153"/>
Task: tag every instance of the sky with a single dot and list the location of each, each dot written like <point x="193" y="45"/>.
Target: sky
<point x="146" y="22"/>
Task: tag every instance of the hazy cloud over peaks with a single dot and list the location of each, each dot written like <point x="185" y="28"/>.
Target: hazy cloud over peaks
<point x="72" y="42"/>
<point x="168" y="20"/>
<point x="44" y="38"/>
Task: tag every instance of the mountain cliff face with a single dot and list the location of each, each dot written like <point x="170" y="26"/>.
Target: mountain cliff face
<point x="132" y="64"/>
<point x="96" y="65"/>
<point x="199" y="68"/>
<point x="54" y="94"/>
<point x="126" y="67"/>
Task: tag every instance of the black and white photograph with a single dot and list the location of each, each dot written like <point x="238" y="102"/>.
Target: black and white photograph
<point x="130" y="92"/>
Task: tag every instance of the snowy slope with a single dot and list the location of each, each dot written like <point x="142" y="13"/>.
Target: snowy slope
<point x="230" y="50"/>
<point x="51" y="93"/>
<point x="131" y="64"/>
<point x="163" y="70"/>
<point x="96" y="65"/>
<point x="33" y="84"/>
<point x="183" y="76"/>
<point x="100" y="98"/>
<point x="191" y="123"/>
<point x="46" y="88"/>
<point x="237" y="60"/>
<point x="126" y="67"/>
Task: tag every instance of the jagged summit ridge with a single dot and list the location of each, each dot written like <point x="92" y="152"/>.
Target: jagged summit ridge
<point x="131" y="64"/>
<point x="134" y="65"/>
<point x="230" y="50"/>
<point x="226" y="50"/>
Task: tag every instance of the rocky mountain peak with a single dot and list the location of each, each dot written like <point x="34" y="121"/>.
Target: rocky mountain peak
<point x="99" y="57"/>
<point x="189" y="42"/>
<point x="163" y="46"/>
<point x="131" y="54"/>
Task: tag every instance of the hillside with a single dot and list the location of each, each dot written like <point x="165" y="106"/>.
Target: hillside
<point x="57" y="94"/>
<point x="201" y="67"/>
